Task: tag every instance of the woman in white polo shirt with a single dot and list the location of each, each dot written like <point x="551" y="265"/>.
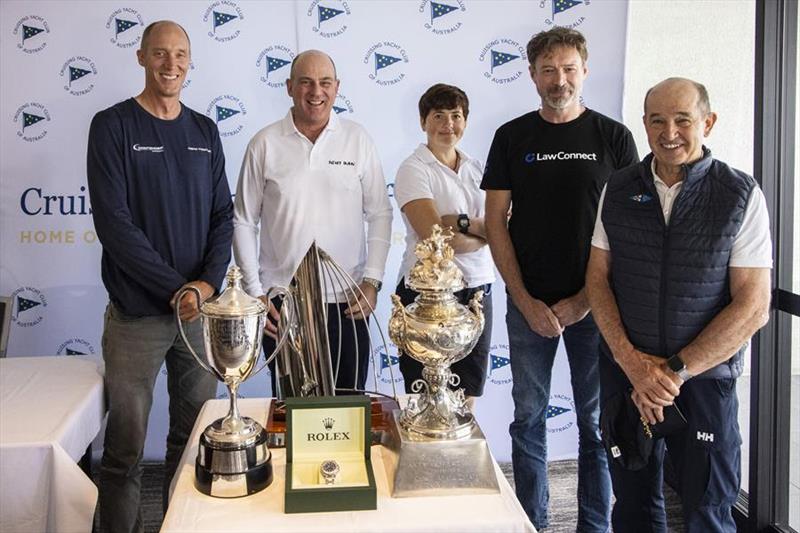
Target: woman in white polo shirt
<point x="440" y="184"/>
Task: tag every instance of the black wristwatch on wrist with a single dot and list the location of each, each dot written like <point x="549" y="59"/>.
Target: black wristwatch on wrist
<point x="462" y="223"/>
<point x="676" y="364"/>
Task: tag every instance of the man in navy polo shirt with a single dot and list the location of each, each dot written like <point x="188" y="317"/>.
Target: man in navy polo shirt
<point x="679" y="280"/>
<point x="162" y="211"/>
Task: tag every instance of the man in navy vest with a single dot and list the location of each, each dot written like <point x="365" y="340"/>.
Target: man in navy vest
<point x="678" y="281"/>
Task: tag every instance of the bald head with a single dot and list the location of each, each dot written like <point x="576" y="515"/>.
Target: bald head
<point x="158" y="25"/>
<point x="310" y="55"/>
<point x="669" y="85"/>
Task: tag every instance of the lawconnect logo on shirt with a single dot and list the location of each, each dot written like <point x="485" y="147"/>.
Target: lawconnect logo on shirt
<point x="559" y="156"/>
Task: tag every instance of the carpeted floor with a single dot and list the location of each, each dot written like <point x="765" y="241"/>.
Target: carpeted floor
<point x="563" y="487"/>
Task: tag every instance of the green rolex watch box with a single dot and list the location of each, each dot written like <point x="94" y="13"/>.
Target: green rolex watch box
<point x="328" y="463"/>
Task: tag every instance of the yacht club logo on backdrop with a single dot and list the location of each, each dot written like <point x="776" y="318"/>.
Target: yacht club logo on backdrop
<point x="566" y="13"/>
<point x="442" y="17"/>
<point x="274" y="64"/>
<point x="342" y="105"/>
<point x="382" y="59"/>
<point x="31" y="120"/>
<point x="329" y="17"/>
<point x="126" y="26"/>
<point x="503" y="60"/>
<point x="499" y="364"/>
<point x="27" y="306"/>
<point x="560" y="414"/>
<point x="77" y="73"/>
<point x="389" y="360"/>
<point x="225" y="18"/>
<point x="75" y="346"/>
<point x="31" y="33"/>
<point x="227" y="111"/>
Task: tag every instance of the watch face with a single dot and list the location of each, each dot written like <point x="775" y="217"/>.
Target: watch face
<point x="329" y="467"/>
<point x="675" y="364"/>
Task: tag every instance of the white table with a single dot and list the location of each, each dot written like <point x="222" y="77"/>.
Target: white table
<point x="51" y="408"/>
<point x="190" y="510"/>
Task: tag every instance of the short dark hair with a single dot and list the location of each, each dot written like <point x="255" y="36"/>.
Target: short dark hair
<point x="443" y="96"/>
<point x="703" y="101"/>
<point x="150" y="27"/>
<point x="544" y="42"/>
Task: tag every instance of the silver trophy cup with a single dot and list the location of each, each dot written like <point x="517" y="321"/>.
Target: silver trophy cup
<point x="233" y="459"/>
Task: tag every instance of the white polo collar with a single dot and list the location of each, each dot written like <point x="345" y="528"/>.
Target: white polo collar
<point x="288" y="127"/>
<point x="426" y="156"/>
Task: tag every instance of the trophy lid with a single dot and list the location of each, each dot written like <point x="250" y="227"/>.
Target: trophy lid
<point x="233" y="302"/>
<point x="435" y="269"/>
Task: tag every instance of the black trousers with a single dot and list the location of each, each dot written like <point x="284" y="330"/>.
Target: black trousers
<point x="354" y="360"/>
<point x="706" y="456"/>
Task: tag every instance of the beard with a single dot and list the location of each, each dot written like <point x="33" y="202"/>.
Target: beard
<point x="560" y="99"/>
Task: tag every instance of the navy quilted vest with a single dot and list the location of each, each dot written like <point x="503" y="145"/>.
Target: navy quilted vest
<point x="671" y="280"/>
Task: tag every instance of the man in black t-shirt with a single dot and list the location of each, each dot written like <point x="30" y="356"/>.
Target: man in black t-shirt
<point x="548" y="167"/>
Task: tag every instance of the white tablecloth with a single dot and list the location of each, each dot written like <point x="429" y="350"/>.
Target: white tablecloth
<point x="51" y="408"/>
<point x="190" y="510"/>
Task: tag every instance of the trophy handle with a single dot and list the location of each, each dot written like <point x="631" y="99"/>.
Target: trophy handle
<point x="288" y="300"/>
<point x="476" y="306"/>
<point x="185" y="340"/>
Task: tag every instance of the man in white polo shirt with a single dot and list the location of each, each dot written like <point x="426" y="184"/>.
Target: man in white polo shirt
<point x="313" y="177"/>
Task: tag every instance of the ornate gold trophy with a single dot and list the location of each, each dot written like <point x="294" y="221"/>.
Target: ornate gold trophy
<point x="437" y="447"/>
<point x="233" y="459"/>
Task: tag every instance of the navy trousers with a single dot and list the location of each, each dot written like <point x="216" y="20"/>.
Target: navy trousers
<point x="706" y="456"/>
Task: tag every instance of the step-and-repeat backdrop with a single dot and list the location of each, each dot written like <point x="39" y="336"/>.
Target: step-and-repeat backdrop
<point x="61" y="62"/>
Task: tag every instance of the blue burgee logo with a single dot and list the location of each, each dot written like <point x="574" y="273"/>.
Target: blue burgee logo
<point x="388" y="360"/>
<point x="641" y="198"/>
<point x="339" y="110"/>
<point x="274" y="63"/>
<point x="383" y="61"/>
<point x="274" y="58"/>
<point x="122" y="24"/>
<point x="498" y="362"/>
<point x="440" y="10"/>
<point x="30" y="30"/>
<point x="27" y="304"/>
<point x="389" y="371"/>
<point x="76" y="70"/>
<point x="501" y="58"/>
<point x="327" y="13"/>
<point x="29" y="119"/>
<point x="555" y="410"/>
<point x="225" y="113"/>
<point x="224" y="17"/>
<point x="76" y="73"/>
<point x="556" y="415"/>
<point x="384" y="56"/>
<point x="334" y="18"/>
<point x="442" y="17"/>
<point x="557" y="7"/>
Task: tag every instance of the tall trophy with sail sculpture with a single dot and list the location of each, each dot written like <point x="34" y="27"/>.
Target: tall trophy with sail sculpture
<point x="437" y="447"/>
<point x="233" y="459"/>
